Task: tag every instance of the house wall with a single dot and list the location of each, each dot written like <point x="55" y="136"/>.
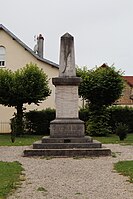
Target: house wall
<point x="125" y="98"/>
<point x="17" y="57"/>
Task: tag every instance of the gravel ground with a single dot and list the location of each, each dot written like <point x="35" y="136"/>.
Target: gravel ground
<point x="69" y="178"/>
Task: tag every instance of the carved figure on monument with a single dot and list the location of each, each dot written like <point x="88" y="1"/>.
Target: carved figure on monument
<point x="67" y="57"/>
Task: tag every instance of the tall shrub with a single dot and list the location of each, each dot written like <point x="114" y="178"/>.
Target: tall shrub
<point x="98" y="122"/>
<point x="120" y="114"/>
<point x="100" y="87"/>
<point x="38" y="122"/>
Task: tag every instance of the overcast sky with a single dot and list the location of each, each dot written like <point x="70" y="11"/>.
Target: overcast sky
<point x="102" y="29"/>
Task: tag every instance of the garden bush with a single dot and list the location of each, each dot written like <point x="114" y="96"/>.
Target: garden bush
<point x="122" y="130"/>
<point x="114" y="115"/>
<point x="98" y="123"/>
<point x="119" y="114"/>
<point x="38" y="122"/>
<point x="84" y="114"/>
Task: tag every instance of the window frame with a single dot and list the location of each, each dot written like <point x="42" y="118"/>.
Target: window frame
<point x="2" y="56"/>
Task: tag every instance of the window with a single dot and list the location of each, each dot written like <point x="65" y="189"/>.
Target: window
<point x="2" y="56"/>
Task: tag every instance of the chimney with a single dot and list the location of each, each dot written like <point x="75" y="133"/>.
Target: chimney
<point x="40" y="41"/>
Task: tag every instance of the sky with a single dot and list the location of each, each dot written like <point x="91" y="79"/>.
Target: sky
<point x="102" y="29"/>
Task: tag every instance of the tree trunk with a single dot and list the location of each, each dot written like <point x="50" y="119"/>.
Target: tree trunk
<point x="19" y="120"/>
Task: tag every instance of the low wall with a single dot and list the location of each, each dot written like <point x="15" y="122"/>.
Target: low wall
<point x="5" y="127"/>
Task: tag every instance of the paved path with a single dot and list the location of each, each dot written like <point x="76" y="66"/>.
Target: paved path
<point x="69" y="178"/>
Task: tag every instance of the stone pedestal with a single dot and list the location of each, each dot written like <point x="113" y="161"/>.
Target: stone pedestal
<point x="64" y="128"/>
<point x="66" y="97"/>
<point x="67" y="137"/>
<point x="67" y="123"/>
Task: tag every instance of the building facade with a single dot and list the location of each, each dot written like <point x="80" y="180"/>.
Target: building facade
<point x="127" y="96"/>
<point x="14" y="54"/>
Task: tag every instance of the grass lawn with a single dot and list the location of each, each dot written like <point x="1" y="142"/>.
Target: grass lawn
<point x="9" y="177"/>
<point x="114" y="139"/>
<point x="122" y="167"/>
<point x="125" y="168"/>
<point x="5" y="140"/>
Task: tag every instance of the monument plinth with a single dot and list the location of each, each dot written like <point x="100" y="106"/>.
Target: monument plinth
<point x="67" y="136"/>
<point x="67" y="123"/>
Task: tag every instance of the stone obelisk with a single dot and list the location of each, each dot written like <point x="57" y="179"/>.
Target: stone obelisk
<point x="67" y="123"/>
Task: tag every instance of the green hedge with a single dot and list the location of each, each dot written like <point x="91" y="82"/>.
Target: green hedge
<point x="119" y="114"/>
<point x="38" y="122"/>
<point x="84" y="114"/>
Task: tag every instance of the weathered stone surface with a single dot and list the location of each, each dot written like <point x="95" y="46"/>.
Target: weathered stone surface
<point x="66" y="128"/>
<point x="48" y="139"/>
<point x="75" y="81"/>
<point x="66" y="100"/>
<point x="67" y="56"/>
<point x="40" y="145"/>
<point x="85" y="152"/>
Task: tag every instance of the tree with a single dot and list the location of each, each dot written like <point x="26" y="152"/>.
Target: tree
<point x="26" y="85"/>
<point x="6" y="84"/>
<point x="101" y="87"/>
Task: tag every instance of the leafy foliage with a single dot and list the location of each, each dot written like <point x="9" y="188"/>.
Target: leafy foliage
<point x="98" y="122"/>
<point x="102" y="86"/>
<point x="26" y="85"/>
<point x="6" y="85"/>
<point x="114" y="115"/>
<point x="122" y="130"/>
<point x="31" y="84"/>
<point x="119" y="114"/>
<point x="38" y="122"/>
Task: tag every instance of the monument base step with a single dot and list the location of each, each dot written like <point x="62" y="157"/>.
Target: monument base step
<point x="48" y="139"/>
<point x="67" y="147"/>
<point x="82" y="152"/>
<point x="40" y="145"/>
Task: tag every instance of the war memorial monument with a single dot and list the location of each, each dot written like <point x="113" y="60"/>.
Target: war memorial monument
<point x="67" y="132"/>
